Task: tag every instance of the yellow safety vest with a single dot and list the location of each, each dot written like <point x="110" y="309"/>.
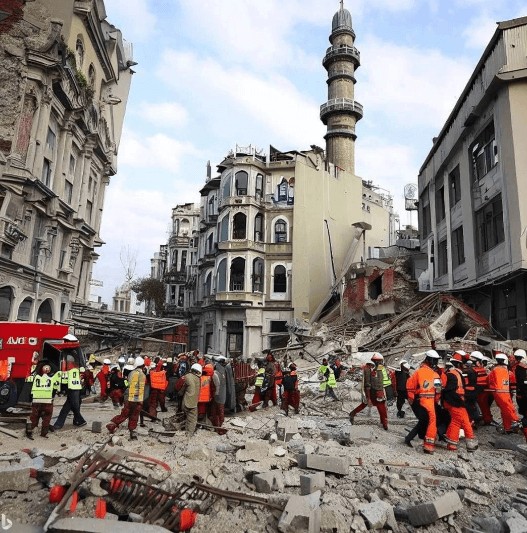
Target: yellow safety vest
<point x="260" y="377"/>
<point x="74" y="379"/>
<point x="332" y="382"/>
<point x="42" y="389"/>
<point x="31" y="376"/>
<point x="386" y="381"/>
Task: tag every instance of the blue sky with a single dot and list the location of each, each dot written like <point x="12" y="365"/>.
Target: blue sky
<point x="213" y="73"/>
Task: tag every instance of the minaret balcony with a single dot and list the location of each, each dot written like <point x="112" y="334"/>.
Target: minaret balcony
<point x="341" y="53"/>
<point x="340" y="105"/>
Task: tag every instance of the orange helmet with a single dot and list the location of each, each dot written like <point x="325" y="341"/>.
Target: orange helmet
<point x="457" y="357"/>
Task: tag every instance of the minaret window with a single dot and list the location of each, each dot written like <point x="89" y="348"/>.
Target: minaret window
<point x="239" y="226"/>
<point x="237" y="282"/>
<point x="241" y="181"/>
<point x="280" y="279"/>
<point x="258" y="228"/>
<point x="258" y="275"/>
<point x="280" y="231"/>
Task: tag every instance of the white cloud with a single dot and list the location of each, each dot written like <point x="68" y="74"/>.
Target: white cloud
<point x="164" y="113"/>
<point x="479" y="31"/>
<point x="136" y="20"/>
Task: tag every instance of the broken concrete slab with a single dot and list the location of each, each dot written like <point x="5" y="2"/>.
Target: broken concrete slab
<point x="312" y="482"/>
<point x="360" y="434"/>
<point x="301" y="512"/>
<point x="427" y="513"/>
<point x="333" y="465"/>
<point x="516" y="523"/>
<point x="14" y="478"/>
<point x="254" y="451"/>
<point x="377" y="514"/>
<point x="475" y="498"/>
<point x="286" y="428"/>
<point x="267" y="482"/>
<point x="96" y="525"/>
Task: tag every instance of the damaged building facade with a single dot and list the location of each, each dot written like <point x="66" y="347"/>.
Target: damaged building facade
<point x="64" y="83"/>
<point x="279" y="231"/>
<point x="472" y="185"/>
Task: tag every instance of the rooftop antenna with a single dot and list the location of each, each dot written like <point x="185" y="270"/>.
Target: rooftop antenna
<point x="341" y="5"/>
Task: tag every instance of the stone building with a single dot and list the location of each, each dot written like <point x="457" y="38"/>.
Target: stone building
<point x="472" y="186"/>
<point x="65" y="74"/>
<point x="279" y="231"/>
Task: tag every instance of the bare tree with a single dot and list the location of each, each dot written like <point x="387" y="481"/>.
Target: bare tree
<point x="128" y="257"/>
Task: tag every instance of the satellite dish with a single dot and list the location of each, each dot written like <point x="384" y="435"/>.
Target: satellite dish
<point x="410" y="197"/>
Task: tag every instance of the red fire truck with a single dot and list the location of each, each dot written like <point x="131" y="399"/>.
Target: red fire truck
<point x="24" y="346"/>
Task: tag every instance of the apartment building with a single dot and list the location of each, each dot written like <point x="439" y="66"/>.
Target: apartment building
<point x="472" y="216"/>
<point x="66" y="74"/>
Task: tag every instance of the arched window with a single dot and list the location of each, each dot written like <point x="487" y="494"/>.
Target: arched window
<point x="241" y="180"/>
<point x="224" y="229"/>
<point x="79" y="53"/>
<point x="184" y="227"/>
<point x="227" y="188"/>
<point x="259" y="186"/>
<point x="6" y="299"/>
<point x="239" y="226"/>
<point x="282" y="190"/>
<point x="280" y="280"/>
<point x="208" y="285"/>
<point x="237" y="282"/>
<point x="24" y="309"/>
<point x="44" y="312"/>
<point x="221" y="276"/>
<point x="258" y="275"/>
<point x="280" y="231"/>
<point x="258" y="228"/>
<point x="176" y="226"/>
<point x="210" y="209"/>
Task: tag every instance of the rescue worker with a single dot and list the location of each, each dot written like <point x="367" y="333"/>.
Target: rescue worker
<point x="291" y="394"/>
<point x="103" y="377"/>
<point x="425" y="384"/>
<point x="499" y="385"/>
<point x="205" y="391"/>
<point x="327" y="380"/>
<point x="373" y="390"/>
<point x="470" y="382"/>
<point x="121" y="362"/>
<point x="521" y="387"/>
<point x="259" y="386"/>
<point x="453" y="396"/>
<point x="73" y="397"/>
<point x="386" y="379"/>
<point x="191" y="389"/>
<point x="43" y="390"/>
<point x="116" y="387"/>
<point x="338" y="368"/>
<point x="128" y="367"/>
<point x="270" y="371"/>
<point x="483" y="396"/>
<point x="89" y="380"/>
<point x="278" y="375"/>
<point x="158" y="387"/>
<point x="219" y="395"/>
<point x="133" y="401"/>
<point x="401" y="377"/>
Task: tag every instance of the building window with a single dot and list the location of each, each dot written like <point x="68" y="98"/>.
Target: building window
<point x="458" y="247"/>
<point x="46" y="172"/>
<point x="211" y="206"/>
<point x="227" y="188"/>
<point x="24" y="310"/>
<point x="280" y="231"/>
<point x="7" y="250"/>
<point x="239" y="226"/>
<point x="208" y="285"/>
<point x="183" y="266"/>
<point x="241" y="179"/>
<point x="279" y="334"/>
<point x="174" y="259"/>
<point x="237" y="282"/>
<point x="258" y="228"/>
<point x="51" y="140"/>
<point x="209" y="244"/>
<point x="222" y="276"/>
<point x="440" y="203"/>
<point x="6" y="299"/>
<point x="280" y="279"/>
<point x="454" y="180"/>
<point x="442" y="260"/>
<point x="484" y="152"/>
<point x="89" y="211"/>
<point x="73" y="164"/>
<point x="282" y="191"/>
<point x="68" y="191"/>
<point x="258" y="275"/>
<point x="224" y="229"/>
<point x="259" y="186"/>
<point x="62" y="259"/>
<point x="489" y="225"/>
<point x="181" y="296"/>
<point x="234" y="337"/>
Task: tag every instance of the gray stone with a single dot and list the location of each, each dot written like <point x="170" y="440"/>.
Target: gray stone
<point x="312" y="482"/>
<point x="225" y="447"/>
<point x="96" y="525"/>
<point x="96" y="427"/>
<point x="267" y="482"/>
<point x="286" y="428"/>
<point x="515" y="522"/>
<point x="296" y="446"/>
<point x="427" y="513"/>
<point x="361" y="434"/>
<point x="334" y="465"/>
<point x="473" y="497"/>
<point x="301" y="512"/>
<point x="291" y="478"/>
<point x="14" y="478"/>
<point x="489" y="524"/>
<point x="377" y="514"/>
<point x="197" y="453"/>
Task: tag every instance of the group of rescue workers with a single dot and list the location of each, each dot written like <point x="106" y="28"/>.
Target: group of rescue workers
<point x="451" y="397"/>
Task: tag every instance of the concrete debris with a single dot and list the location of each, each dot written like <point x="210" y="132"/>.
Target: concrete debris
<point x="378" y="514"/>
<point x="333" y="465"/>
<point x="300" y="514"/>
<point x="429" y="512"/>
<point x="14" y="478"/>
<point x="312" y="482"/>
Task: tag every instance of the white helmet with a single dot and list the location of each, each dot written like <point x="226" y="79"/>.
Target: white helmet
<point x="520" y="354"/>
<point x="121" y="359"/>
<point x="139" y="361"/>
<point x="501" y="357"/>
<point x="197" y="368"/>
<point x="478" y="356"/>
<point x="107" y="362"/>
<point x="432" y="354"/>
<point x="405" y="363"/>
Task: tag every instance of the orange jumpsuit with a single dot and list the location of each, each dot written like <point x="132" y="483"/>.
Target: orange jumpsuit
<point x="484" y="398"/>
<point x="422" y="384"/>
<point x="454" y="403"/>
<point x="499" y="385"/>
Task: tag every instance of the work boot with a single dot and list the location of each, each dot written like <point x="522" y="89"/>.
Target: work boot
<point x="29" y="434"/>
<point x="472" y="445"/>
<point x="400" y="414"/>
<point x="408" y="442"/>
<point x="44" y="435"/>
<point x="111" y="427"/>
<point x="352" y="418"/>
<point x="133" y="435"/>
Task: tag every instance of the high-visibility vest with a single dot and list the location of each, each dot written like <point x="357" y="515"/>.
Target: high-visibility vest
<point x="332" y="382"/>
<point x="260" y="377"/>
<point x="205" y="392"/>
<point x="158" y="379"/>
<point x="499" y="379"/>
<point x="278" y="375"/>
<point x="136" y="389"/>
<point x="386" y="380"/>
<point x="31" y="376"/>
<point x="423" y="382"/>
<point x="482" y="377"/>
<point x="42" y="389"/>
<point x="74" y="379"/>
<point x="460" y="390"/>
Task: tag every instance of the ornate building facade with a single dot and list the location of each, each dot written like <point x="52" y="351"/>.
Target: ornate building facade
<point x="66" y="74"/>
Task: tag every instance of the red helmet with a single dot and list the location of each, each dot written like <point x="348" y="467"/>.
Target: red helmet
<point x="457" y="357"/>
<point x="208" y="370"/>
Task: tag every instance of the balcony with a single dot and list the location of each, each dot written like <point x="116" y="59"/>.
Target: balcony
<point x="341" y="53"/>
<point x="175" y="276"/>
<point x="238" y="245"/>
<point x="249" y="299"/>
<point x="340" y="105"/>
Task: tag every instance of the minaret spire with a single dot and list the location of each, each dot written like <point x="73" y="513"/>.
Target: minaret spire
<point x="341" y="112"/>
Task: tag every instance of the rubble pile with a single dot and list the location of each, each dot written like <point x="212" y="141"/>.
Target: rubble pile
<point x="308" y="472"/>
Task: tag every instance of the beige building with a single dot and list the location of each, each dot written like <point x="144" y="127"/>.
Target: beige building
<point x="66" y="74"/>
<point x="472" y="186"/>
<point x="280" y="230"/>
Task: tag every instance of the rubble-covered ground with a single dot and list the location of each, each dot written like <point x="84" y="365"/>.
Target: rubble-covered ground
<point x="341" y="477"/>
